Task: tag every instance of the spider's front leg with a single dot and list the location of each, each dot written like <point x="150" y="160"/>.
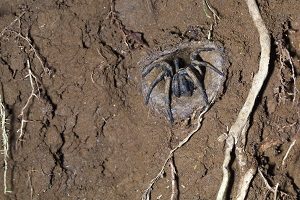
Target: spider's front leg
<point x="159" y="78"/>
<point x="168" y="79"/>
<point x="164" y="65"/>
<point x="167" y="71"/>
<point x="194" y="55"/>
<point x="197" y="61"/>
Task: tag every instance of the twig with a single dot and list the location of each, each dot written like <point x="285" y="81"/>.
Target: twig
<point x="205" y="9"/>
<point x="258" y="80"/>
<point x="5" y="144"/>
<point x="288" y="151"/>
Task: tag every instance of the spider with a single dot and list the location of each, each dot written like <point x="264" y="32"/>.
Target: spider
<point x="180" y="80"/>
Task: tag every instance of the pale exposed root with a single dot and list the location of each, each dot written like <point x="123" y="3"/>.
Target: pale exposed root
<point x="265" y="181"/>
<point x="247" y="172"/>
<point x="33" y="48"/>
<point x="29" y="182"/>
<point x="210" y="32"/>
<point x="11" y="24"/>
<point x="288" y="151"/>
<point x="240" y="149"/>
<point x="245" y="183"/>
<point x="206" y="7"/>
<point x="32" y="77"/>
<point x="5" y="144"/>
<point x="274" y="190"/>
<point x="6" y="32"/>
<point x="34" y="90"/>
<point x="208" y="10"/>
<point x="174" y="178"/>
<point x="236" y="131"/>
<point x="225" y="168"/>
<point x="286" y="61"/>
<point x="147" y="193"/>
<point x="9" y="29"/>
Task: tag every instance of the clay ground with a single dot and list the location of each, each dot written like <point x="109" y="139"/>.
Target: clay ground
<point x="88" y="133"/>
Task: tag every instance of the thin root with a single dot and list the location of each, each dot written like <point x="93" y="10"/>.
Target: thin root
<point x="5" y="144"/>
<point x="286" y="61"/>
<point x="287" y="153"/>
<point x="8" y="29"/>
<point x="273" y="190"/>
<point x="206" y="7"/>
<point x="175" y="191"/>
<point x="33" y="48"/>
<point x="30" y="183"/>
<point x="34" y="87"/>
<point x="11" y="24"/>
<point x="147" y="193"/>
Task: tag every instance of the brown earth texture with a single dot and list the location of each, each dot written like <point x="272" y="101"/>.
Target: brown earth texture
<point x="73" y="103"/>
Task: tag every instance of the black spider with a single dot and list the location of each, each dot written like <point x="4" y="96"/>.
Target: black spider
<point x="180" y="81"/>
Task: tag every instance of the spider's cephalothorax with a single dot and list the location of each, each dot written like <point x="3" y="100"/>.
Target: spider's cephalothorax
<point x="180" y="80"/>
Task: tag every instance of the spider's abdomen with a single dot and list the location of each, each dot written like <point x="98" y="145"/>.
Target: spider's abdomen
<point x="181" y="86"/>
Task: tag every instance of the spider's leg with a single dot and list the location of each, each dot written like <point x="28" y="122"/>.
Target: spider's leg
<point x="198" y="84"/>
<point x="199" y="70"/>
<point x="153" y="84"/>
<point x="195" y="53"/>
<point x="150" y="67"/>
<point x="168" y="68"/>
<point x="208" y="65"/>
<point x="147" y="69"/>
<point x="168" y="99"/>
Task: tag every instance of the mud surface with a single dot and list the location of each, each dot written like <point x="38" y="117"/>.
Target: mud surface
<point x="87" y="133"/>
